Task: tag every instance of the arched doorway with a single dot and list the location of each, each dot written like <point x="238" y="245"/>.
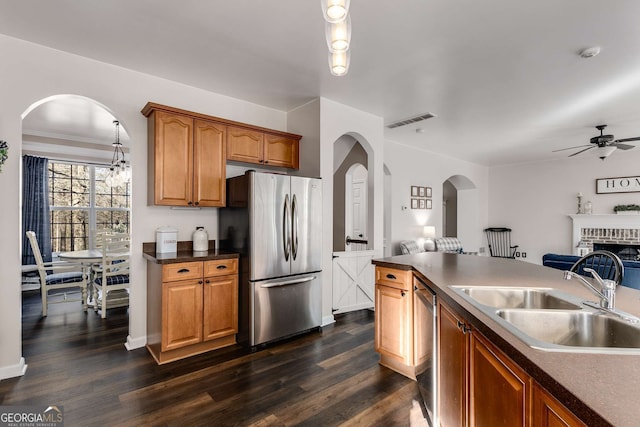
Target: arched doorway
<point x="353" y="273"/>
<point x="459" y="207"/>
<point x="75" y="135"/>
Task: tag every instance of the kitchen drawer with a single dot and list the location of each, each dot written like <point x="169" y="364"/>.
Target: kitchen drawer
<point x="220" y="267"/>
<point x="400" y="279"/>
<point x="182" y="271"/>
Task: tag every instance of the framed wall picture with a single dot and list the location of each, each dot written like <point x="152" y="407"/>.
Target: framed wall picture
<point x="421" y="192"/>
<point x="428" y="192"/>
<point x="429" y="204"/>
<point x="414" y="191"/>
<point x="421" y="204"/>
<point x="414" y="203"/>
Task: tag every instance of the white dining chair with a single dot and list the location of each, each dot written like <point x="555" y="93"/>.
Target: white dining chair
<point x="112" y="275"/>
<point x="58" y="275"/>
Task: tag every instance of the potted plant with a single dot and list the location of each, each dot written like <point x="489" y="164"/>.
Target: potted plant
<point x="627" y="209"/>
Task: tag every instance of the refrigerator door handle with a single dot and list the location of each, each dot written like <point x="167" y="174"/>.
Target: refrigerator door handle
<point x="288" y="282"/>
<point x="286" y="240"/>
<point x="294" y="227"/>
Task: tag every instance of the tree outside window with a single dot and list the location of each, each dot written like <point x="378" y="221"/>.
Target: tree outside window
<point x="81" y="203"/>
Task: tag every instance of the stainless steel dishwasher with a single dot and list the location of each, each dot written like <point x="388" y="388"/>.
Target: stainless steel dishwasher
<point x="426" y="348"/>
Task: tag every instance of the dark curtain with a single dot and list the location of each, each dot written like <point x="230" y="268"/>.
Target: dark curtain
<point x="35" y="207"/>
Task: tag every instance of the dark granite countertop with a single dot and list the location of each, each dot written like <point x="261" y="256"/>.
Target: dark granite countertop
<point x="602" y="389"/>
<point x="185" y="253"/>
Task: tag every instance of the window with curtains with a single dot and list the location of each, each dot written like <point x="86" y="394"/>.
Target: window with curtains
<point x="81" y="202"/>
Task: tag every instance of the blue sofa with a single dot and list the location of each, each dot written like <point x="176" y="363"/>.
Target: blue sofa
<point x="631" y="277"/>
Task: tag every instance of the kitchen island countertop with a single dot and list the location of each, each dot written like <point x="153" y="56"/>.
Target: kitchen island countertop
<point x="601" y="389"/>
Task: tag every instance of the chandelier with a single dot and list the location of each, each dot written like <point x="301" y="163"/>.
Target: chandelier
<point x="119" y="171"/>
<point x="338" y="32"/>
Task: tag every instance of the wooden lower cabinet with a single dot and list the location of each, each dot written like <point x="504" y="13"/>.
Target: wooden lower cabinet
<point x="548" y="412"/>
<point x="394" y="330"/>
<point x="453" y="368"/>
<point x="480" y="386"/>
<point x="498" y="390"/>
<point x="192" y="308"/>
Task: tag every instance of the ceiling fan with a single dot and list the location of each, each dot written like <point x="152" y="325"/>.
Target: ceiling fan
<point x="604" y="144"/>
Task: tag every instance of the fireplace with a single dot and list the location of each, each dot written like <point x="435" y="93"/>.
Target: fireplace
<point x="624" y="251"/>
<point x="619" y="234"/>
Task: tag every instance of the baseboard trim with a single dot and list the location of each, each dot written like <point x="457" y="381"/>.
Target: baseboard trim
<point x="133" y="343"/>
<point x="12" y="371"/>
<point x="328" y="320"/>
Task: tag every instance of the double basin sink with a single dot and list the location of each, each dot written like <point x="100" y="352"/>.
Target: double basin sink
<point x="550" y="320"/>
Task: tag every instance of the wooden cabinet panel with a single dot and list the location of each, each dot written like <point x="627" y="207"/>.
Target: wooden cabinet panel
<point x="281" y="151"/>
<point x="453" y="366"/>
<point x="423" y="328"/>
<point x="221" y="267"/>
<point x="181" y="314"/>
<point x="548" y="412"/>
<point x="245" y="145"/>
<point x="499" y="389"/>
<point x="209" y="164"/>
<point x="399" y="279"/>
<point x="173" y="159"/>
<point x="392" y="335"/>
<point x="220" y="307"/>
<point x="181" y="271"/>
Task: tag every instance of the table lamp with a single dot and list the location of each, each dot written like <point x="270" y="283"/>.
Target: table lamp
<point x="429" y="232"/>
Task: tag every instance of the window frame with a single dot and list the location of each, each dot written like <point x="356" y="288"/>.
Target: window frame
<point x="92" y="209"/>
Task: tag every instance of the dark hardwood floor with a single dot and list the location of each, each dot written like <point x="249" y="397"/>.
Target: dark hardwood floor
<point x="325" y="378"/>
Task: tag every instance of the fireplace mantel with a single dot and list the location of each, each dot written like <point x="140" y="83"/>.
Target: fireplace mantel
<point x="601" y="221"/>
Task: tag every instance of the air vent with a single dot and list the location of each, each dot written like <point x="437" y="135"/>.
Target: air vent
<point x="408" y="121"/>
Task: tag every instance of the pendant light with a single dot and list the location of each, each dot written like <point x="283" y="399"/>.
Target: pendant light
<point x="339" y="63"/>
<point x="338" y="35"/>
<point x="119" y="171"/>
<point x="335" y="10"/>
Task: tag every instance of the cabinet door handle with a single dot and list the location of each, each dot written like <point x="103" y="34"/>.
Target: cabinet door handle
<point x="199" y="282"/>
<point x="183" y="270"/>
<point x="197" y="203"/>
<point x="266" y="161"/>
<point x="461" y="325"/>
<point x="207" y="281"/>
<point x="403" y="293"/>
<point x="221" y="267"/>
<point x="189" y="202"/>
<point x="392" y="277"/>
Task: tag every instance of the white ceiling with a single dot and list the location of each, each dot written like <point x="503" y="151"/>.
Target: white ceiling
<point x="503" y="77"/>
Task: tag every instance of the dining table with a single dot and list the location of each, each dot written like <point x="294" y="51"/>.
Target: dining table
<point x="88" y="258"/>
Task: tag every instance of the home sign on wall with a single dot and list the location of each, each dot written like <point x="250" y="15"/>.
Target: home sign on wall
<point x="625" y="184"/>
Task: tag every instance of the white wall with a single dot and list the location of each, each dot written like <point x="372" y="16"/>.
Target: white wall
<point x="535" y="199"/>
<point x="410" y="166"/>
<point x="33" y="72"/>
<point x="336" y="120"/>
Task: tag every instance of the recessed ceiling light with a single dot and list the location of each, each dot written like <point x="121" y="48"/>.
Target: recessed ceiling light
<point x="590" y="52"/>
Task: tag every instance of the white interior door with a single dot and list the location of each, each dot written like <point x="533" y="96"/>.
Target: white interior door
<point x="353" y="280"/>
<point x="356" y="210"/>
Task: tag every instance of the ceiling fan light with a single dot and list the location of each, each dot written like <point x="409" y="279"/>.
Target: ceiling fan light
<point x="335" y="10"/>
<point x="604" y="152"/>
<point x="339" y="35"/>
<point x="339" y="63"/>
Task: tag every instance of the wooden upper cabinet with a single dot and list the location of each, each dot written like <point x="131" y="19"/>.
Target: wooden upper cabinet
<point x="209" y="164"/>
<point x="244" y="145"/>
<point x="250" y="146"/>
<point x="187" y="160"/>
<point x="281" y="151"/>
<point x="171" y="137"/>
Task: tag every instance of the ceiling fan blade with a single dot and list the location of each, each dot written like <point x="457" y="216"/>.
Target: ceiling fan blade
<point x="637" y="138"/>
<point x="570" y="148"/>
<point x="581" y="151"/>
<point x="624" y="146"/>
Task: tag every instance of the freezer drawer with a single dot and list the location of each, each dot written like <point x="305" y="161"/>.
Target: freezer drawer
<point x="284" y="307"/>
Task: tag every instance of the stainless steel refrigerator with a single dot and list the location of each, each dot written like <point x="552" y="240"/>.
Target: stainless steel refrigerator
<point x="275" y="222"/>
